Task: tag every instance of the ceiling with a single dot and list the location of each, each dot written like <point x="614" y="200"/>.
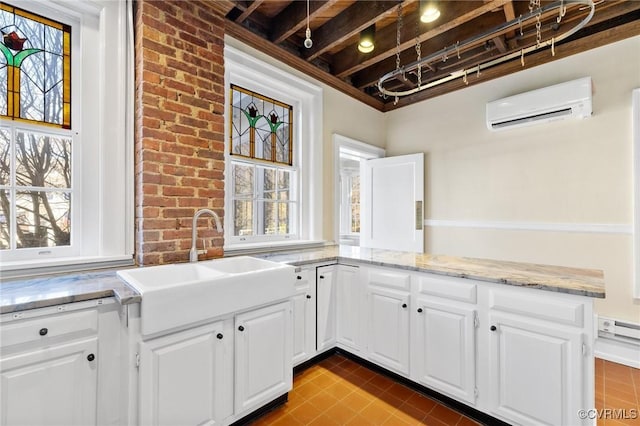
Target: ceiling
<point x="277" y="28"/>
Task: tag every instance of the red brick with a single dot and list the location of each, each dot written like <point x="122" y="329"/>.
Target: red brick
<point x="178" y="213"/>
<point x="193" y="202"/>
<point x="182" y="191"/>
<point x="194" y="162"/>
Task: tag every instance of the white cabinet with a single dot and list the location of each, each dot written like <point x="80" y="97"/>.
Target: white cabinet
<point x="186" y="377"/>
<point x="537" y="358"/>
<point x="388" y="319"/>
<point x="263" y="356"/>
<point x="55" y="384"/>
<point x="444" y="349"/>
<point x="349" y="296"/>
<point x="326" y="277"/>
<point x="303" y="304"/>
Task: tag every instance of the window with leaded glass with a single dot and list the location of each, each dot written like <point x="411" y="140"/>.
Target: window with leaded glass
<point x="35" y="131"/>
<point x="264" y="178"/>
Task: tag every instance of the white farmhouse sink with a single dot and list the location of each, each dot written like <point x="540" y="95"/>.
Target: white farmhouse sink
<point x="182" y="294"/>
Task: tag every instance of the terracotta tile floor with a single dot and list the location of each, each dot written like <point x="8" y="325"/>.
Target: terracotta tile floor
<point x="338" y="391"/>
<point x="617" y="388"/>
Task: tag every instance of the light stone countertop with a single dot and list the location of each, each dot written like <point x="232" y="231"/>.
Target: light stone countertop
<point x="21" y="295"/>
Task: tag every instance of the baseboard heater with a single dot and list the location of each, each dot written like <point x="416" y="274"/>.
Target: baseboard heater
<point x="619" y="330"/>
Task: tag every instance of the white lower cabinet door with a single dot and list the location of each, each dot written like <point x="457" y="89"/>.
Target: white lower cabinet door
<point x="303" y="304"/>
<point x="348" y="301"/>
<point x="536" y="371"/>
<point x="186" y="378"/>
<point x="326" y="307"/>
<point x="264" y="369"/>
<point x="56" y="385"/>
<point x="388" y="326"/>
<point x="444" y="350"/>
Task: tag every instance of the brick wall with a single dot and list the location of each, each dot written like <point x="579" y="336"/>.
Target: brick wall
<point x="179" y="130"/>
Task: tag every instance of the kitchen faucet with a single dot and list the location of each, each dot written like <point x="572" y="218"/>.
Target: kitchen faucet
<point x="193" y="253"/>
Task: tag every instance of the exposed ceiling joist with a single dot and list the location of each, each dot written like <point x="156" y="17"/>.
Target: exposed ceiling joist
<point x="294" y="18"/>
<point x="249" y="10"/>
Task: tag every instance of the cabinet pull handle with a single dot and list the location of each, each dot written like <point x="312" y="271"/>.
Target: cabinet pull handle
<point x="419" y="310"/>
<point x="493" y="328"/>
<point x="404" y="305"/>
<point x="44" y="331"/>
<point x="219" y="336"/>
<point x="91" y="357"/>
<point x="308" y="296"/>
<point x="241" y="328"/>
<point x="299" y="277"/>
<point x="322" y="277"/>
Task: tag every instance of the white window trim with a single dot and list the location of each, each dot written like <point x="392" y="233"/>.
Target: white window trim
<point x="635" y="122"/>
<point x="106" y="237"/>
<point x="246" y="71"/>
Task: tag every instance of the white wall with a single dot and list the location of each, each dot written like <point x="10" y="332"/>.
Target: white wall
<point x="341" y="114"/>
<point x="568" y="175"/>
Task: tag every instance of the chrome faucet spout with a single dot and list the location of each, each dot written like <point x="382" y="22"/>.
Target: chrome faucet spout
<point x="193" y="253"/>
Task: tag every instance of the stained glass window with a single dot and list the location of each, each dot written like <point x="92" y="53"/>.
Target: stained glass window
<point x="261" y="127"/>
<point x="35" y="68"/>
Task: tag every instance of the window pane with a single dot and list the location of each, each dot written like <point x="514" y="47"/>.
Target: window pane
<point x="43" y="219"/>
<point x="355" y="203"/>
<point x="5" y="156"/>
<point x="284" y="219"/>
<point x="3" y="83"/>
<point x="43" y="160"/>
<point x="242" y="218"/>
<point x="268" y="182"/>
<point x="243" y="180"/>
<point x="5" y="220"/>
<point x="270" y="218"/>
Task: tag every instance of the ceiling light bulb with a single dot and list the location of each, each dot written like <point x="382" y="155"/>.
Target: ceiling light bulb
<point x="308" y="42"/>
<point x="429" y="14"/>
<point x="366" y="44"/>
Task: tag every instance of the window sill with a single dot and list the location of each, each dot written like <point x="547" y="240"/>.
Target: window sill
<point x="26" y="269"/>
<point x="256" y="248"/>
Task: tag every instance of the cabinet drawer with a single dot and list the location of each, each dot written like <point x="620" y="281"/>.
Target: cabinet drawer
<point x="548" y="307"/>
<point x="45" y="327"/>
<point x="450" y="288"/>
<point x="302" y="277"/>
<point x="389" y="278"/>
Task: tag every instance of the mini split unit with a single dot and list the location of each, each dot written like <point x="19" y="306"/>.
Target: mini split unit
<point x="564" y="100"/>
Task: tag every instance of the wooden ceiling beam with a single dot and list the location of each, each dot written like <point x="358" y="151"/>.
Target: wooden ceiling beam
<point x="249" y="10"/>
<point x="349" y="60"/>
<point x="294" y="17"/>
<point x="598" y="39"/>
<point x="244" y="35"/>
<point x="348" y="23"/>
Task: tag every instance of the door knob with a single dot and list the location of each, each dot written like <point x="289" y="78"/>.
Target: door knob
<point x="91" y="357"/>
<point x="493" y="328"/>
<point x="308" y="296"/>
<point x="219" y="336"/>
<point x="241" y="328"/>
<point x="404" y="305"/>
<point x="299" y="277"/>
<point x="44" y="331"/>
<point x="419" y="310"/>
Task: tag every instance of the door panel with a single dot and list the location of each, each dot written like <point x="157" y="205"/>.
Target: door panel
<point x="392" y="202"/>
<point x="349" y="296"/>
<point x="326" y="307"/>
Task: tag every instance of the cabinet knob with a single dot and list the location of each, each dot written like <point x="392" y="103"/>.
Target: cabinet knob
<point x="308" y="296"/>
<point x="419" y="310"/>
<point x="299" y="277"/>
<point x="44" y="331"/>
<point x="91" y="357"/>
<point x="404" y="305"/>
<point x="219" y="336"/>
<point x="322" y="277"/>
<point x="493" y="328"/>
<point x="241" y="328"/>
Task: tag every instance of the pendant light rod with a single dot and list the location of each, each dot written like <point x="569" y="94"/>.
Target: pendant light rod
<point x="454" y="49"/>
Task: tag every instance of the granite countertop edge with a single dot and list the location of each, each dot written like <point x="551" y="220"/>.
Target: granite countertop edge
<point x="23" y="295"/>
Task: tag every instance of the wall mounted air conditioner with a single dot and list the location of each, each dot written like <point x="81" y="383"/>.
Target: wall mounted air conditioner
<point x="564" y="100"/>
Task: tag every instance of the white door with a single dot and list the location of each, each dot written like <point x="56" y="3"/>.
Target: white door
<point x="392" y="196"/>
<point x="56" y="385"/>
<point x="536" y="371"/>
<point x="388" y="323"/>
<point x="186" y="378"/>
<point x="264" y="368"/>
<point x="349" y="295"/>
<point x="325" y="307"/>
<point x="444" y="348"/>
<point x="304" y="318"/>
